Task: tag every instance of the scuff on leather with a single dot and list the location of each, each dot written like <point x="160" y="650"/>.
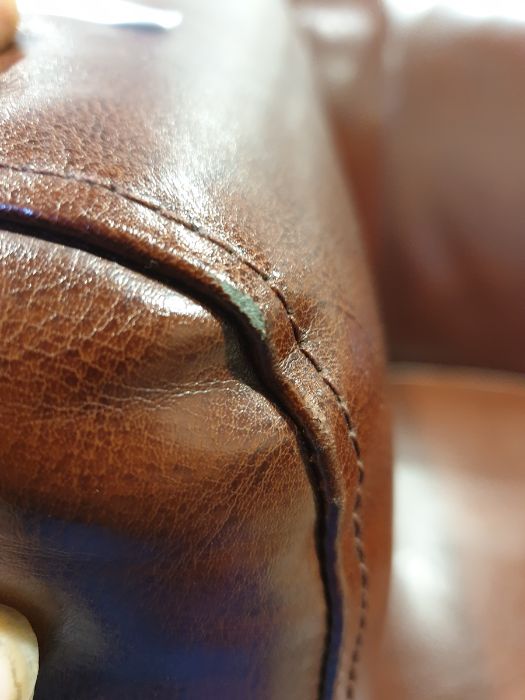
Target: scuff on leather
<point x="245" y="304"/>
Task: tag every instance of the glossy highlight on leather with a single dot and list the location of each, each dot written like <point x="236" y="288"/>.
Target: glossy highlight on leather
<point x="244" y="442"/>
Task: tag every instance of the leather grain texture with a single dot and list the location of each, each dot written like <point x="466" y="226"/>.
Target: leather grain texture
<point x="195" y="160"/>
<point x="157" y="484"/>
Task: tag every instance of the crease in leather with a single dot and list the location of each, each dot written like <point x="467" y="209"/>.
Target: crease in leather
<point x="151" y="204"/>
<point x="246" y="309"/>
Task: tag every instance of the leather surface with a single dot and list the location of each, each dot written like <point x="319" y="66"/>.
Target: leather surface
<point x="153" y="476"/>
<point x="427" y="106"/>
<point x="193" y="157"/>
<point x="457" y="604"/>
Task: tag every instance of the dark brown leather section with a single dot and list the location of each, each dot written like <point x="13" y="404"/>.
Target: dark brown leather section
<point x="197" y="156"/>
<point x="457" y="605"/>
<point x="427" y="109"/>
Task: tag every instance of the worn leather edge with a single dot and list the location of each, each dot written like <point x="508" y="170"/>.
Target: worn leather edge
<point x="224" y="275"/>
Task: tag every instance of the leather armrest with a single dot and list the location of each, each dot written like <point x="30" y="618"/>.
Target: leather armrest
<point x="195" y="440"/>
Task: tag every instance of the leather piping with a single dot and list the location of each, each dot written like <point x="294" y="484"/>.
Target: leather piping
<point x="334" y="584"/>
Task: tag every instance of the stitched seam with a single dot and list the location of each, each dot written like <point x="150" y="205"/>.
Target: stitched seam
<point x="356" y="519"/>
<point x="143" y="201"/>
<point x="297" y="332"/>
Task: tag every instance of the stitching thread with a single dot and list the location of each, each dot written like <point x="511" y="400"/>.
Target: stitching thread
<point x="143" y="201"/>
<point x="356" y="519"/>
<point x="234" y="251"/>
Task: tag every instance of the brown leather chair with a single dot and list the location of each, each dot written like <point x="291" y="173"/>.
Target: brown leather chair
<point x="195" y="454"/>
<point x="428" y="110"/>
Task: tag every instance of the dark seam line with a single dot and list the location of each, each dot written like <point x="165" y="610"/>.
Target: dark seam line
<point x="236" y="252"/>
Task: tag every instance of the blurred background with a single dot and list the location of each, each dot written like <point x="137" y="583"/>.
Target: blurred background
<point x="427" y="102"/>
